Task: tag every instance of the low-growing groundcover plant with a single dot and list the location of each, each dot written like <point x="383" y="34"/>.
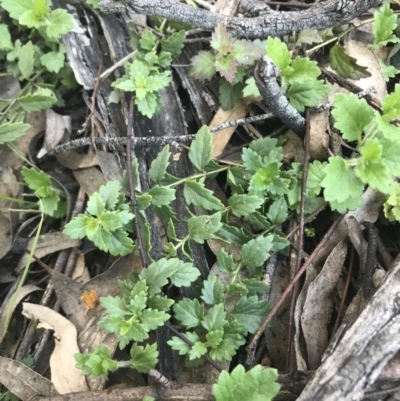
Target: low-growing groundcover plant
<point x="263" y="192"/>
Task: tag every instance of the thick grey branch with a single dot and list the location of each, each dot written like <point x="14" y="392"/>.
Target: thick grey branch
<point x="323" y="15"/>
<point x="364" y="349"/>
<point x="266" y="75"/>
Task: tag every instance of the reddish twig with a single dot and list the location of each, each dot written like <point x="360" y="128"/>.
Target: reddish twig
<point x="300" y="243"/>
<point x="132" y="185"/>
<point x="282" y="298"/>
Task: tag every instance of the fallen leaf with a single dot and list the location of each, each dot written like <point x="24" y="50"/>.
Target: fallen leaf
<point x="24" y="382"/>
<point x="47" y="244"/>
<point x="65" y="377"/>
<point x="56" y="125"/>
<point x="318" y="304"/>
<point x="22" y="293"/>
<point x="90" y="179"/>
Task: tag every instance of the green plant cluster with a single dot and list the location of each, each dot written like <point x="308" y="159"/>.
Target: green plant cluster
<point x="106" y="221"/>
<point x="148" y="73"/>
<point x="36" y="57"/>
<point x="52" y="201"/>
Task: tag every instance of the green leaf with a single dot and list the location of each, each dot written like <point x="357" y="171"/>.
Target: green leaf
<point x="40" y="100"/>
<point x="214" y="338"/>
<point x="251" y="88"/>
<point x="265" y="177"/>
<point x="278" y="52"/>
<point x="76" y="228"/>
<point x="204" y="227"/>
<point x="198" y="350"/>
<point x="35" y="179"/>
<point x="229" y="94"/>
<point x="26" y="60"/>
<point x="189" y="312"/>
<point x="144" y="359"/>
<point x="93" y="3"/>
<point x="241" y="205"/>
<point x="149" y="105"/>
<point x="307" y="94"/>
<point x="345" y="65"/>
<point x="114" y="306"/>
<point x="234" y="234"/>
<point x="278" y="211"/>
<point x="160" y="303"/>
<point x="371" y="170"/>
<point x="157" y="274"/>
<point x="60" y="23"/>
<point x="11" y="131"/>
<point x="110" y="220"/>
<point x="41" y="7"/>
<point x="95" y="205"/>
<point x="98" y="363"/>
<point x="251" y="312"/>
<point x="53" y="61"/>
<point x="225" y="262"/>
<point x="383" y="26"/>
<point x="391" y="105"/>
<point x="203" y="66"/>
<point x="148" y="40"/>
<point x="196" y="194"/>
<point x="245" y="52"/>
<point x="215" y="318"/>
<point x="224" y="351"/>
<point x="213" y="290"/>
<point x="351" y="115"/>
<point x="179" y="345"/>
<point x="255" y="287"/>
<point x="308" y="36"/>
<point x="389" y="71"/>
<point x="302" y="69"/>
<point x="151" y="319"/>
<point x="159" y="165"/>
<point x="234" y="332"/>
<point x="31" y="19"/>
<point x="256" y="251"/>
<point x="340" y="182"/>
<point x="227" y="67"/>
<point x="5" y="38"/>
<point x="252" y="160"/>
<point x="220" y="40"/>
<point x="391" y="207"/>
<point x="185" y="275"/>
<point x="258" y="220"/>
<point x="280" y="243"/>
<point x="16" y="8"/>
<point x="391" y="156"/>
<point x="174" y="43"/>
<point x="120" y="244"/>
<point x="258" y="384"/>
<point x="109" y="193"/>
<point x="161" y="196"/>
<point x="201" y="148"/>
<point x="315" y="176"/>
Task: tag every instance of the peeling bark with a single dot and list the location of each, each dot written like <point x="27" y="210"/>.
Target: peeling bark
<point x="321" y="16"/>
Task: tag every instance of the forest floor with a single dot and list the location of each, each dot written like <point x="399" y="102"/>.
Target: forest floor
<point x="209" y="254"/>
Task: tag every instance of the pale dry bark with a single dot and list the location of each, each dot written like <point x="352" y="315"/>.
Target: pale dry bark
<point x="322" y="15"/>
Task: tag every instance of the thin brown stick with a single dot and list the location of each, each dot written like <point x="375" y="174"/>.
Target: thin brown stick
<point x="132" y="184"/>
<point x="300" y="243"/>
<point x="345" y="290"/>
<point x="93" y="100"/>
<point x="280" y="301"/>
